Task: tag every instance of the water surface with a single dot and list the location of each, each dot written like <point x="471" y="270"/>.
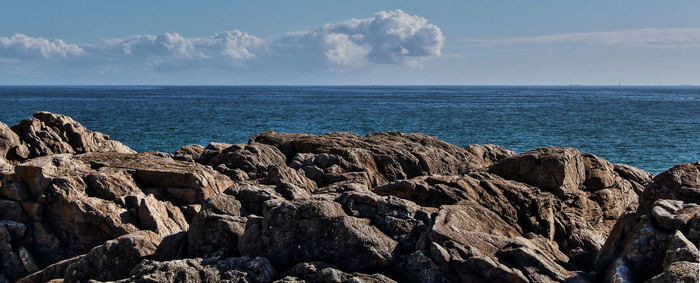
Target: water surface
<point x="652" y="128"/>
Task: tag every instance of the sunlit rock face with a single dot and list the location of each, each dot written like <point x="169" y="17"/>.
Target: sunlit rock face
<point x="76" y="205"/>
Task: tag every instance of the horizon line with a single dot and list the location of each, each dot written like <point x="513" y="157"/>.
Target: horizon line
<point x="350" y="85"/>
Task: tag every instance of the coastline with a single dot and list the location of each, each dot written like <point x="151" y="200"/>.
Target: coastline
<point x="77" y="205"/>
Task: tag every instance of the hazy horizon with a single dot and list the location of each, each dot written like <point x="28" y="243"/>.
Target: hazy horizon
<point x="464" y="43"/>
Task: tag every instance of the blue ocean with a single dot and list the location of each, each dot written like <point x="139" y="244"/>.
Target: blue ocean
<point x="652" y="128"/>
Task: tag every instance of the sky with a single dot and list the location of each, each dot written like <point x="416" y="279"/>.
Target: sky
<point x="350" y="42"/>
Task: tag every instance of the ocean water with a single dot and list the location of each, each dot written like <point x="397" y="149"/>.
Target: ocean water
<point x="652" y="128"/>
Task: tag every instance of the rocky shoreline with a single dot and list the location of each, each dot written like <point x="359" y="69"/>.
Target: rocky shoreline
<point x="77" y="206"/>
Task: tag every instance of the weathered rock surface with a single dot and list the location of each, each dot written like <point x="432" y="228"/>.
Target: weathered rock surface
<point x="337" y="207"/>
<point x="658" y="242"/>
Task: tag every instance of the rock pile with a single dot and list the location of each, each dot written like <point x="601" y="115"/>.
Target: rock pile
<point x="77" y="206"/>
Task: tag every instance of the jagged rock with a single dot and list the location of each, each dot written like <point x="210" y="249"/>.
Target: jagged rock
<point x="184" y="182"/>
<point x="78" y="202"/>
<point x="217" y="228"/>
<point x="241" y="269"/>
<point x="652" y="243"/>
<point x="321" y="272"/>
<point x="682" y="182"/>
<point x="290" y="183"/>
<point x="311" y="230"/>
<point x="161" y="216"/>
<point x="11" y="147"/>
<point x="15" y="192"/>
<point x="673" y="214"/>
<point x="47" y="133"/>
<point x="253" y="158"/>
<point x="189" y="153"/>
<point x="384" y="156"/>
<point x="110" y="261"/>
<point x="555" y="169"/>
<point x="332" y="208"/>
<point x="681" y="271"/>
<point x="114" y="259"/>
<point x="635" y="174"/>
<point x="211" y="150"/>
<point x="112" y="184"/>
<point x="252" y="198"/>
<point x="402" y="220"/>
<point x="11" y="264"/>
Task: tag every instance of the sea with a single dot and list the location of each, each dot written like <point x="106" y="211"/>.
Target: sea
<point x="652" y="128"/>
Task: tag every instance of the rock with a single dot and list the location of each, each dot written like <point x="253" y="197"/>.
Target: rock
<point x="213" y="234"/>
<point x="635" y="174"/>
<point x="184" y="182"/>
<point x="682" y="182"/>
<point x="11" y="265"/>
<point x="112" y="184"/>
<point x="15" y="192"/>
<point x="114" y="259"/>
<point x="172" y="247"/>
<point x="384" y="157"/>
<point x="12" y="210"/>
<point x="652" y="243"/>
<point x="47" y="133"/>
<point x="211" y="150"/>
<point x="489" y="153"/>
<point x="681" y="271"/>
<point x="309" y="230"/>
<point x="79" y="202"/>
<point x="242" y="269"/>
<point x="332" y="208"/>
<point x="402" y="220"/>
<point x="282" y="174"/>
<point x="673" y="214"/>
<point x="11" y="147"/>
<point x="161" y="216"/>
<point x="555" y="169"/>
<point x="253" y="158"/>
<point x="321" y="272"/>
<point x="189" y="153"/>
<point x="252" y="198"/>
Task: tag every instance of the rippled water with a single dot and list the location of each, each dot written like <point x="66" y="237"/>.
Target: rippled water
<point x="649" y="127"/>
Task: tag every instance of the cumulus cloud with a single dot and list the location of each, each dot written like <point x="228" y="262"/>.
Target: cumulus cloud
<point x="20" y="46"/>
<point x="640" y="38"/>
<point x="389" y="37"/>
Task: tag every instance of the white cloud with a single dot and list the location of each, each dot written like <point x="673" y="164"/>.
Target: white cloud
<point x="20" y="46"/>
<point x="392" y="37"/>
<point x="638" y="38"/>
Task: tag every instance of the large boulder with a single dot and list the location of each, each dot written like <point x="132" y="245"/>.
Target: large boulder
<point x="314" y="230"/>
<point x="384" y="157"/>
<point x="658" y="242"/>
<point x="72" y="203"/>
<point x="48" y="133"/>
<point x="237" y="269"/>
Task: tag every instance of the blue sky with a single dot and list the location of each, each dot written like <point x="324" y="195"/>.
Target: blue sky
<point x="350" y="42"/>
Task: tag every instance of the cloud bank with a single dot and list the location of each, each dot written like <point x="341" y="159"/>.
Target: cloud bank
<point x="635" y="38"/>
<point x="389" y="37"/>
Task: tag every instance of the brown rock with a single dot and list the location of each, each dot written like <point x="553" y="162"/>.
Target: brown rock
<point x="189" y="153"/>
<point x="161" y="216"/>
<point x="185" y="182"/>
<point x="384" y="156"/>
<point x="308" y="230"/>
<point x="321" y="272"/>
<point x="555" y="169"/>
<point x="652" y="243"/>
<point x="215" y="234"/>
<point x="241" y="269"/>
<point x="48" y="133"/>
<point x="682" y="182"/>
<point x="114" y="259"/>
